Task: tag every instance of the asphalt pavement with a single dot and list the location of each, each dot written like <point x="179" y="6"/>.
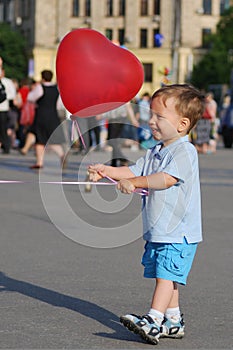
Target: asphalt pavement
<point x="70" y="259"/>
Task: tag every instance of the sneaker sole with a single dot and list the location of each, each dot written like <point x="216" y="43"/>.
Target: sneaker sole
<point x="178" y="336"/>
<point x="148" y="338"/>
<point x="130" y="325"/>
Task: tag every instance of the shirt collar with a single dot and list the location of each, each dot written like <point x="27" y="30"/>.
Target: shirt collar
<point x="158" y="151"/>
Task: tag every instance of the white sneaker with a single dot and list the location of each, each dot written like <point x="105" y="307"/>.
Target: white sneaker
<point x="142" y="325"/>
<point x="170" y="329"/>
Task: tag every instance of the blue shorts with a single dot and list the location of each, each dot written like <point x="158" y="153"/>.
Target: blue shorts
<point x="169" y="261"/>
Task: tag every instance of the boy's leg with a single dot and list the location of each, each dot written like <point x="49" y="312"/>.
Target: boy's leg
<point x="174" y="302"/>
<point x="165" y="302"/>
<point x="165" y="295"/>
<point x="149" y="326"/>
<point x="164" y="317"/>
<point x="173" y="323"/>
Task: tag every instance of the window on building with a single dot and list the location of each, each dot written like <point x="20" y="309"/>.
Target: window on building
<point x="207" y="7"/>
<point x="88" y="8"/>
<point x="1" y="12"/>
<point x="75" y="8"/>
<point x="224" y="5"/>
<point x="26" y="8"/>
<point x="143" y="38"/>
<point x="121" y="36"/>
<point x="109" y="8"/>
<point x="109" y="33"/>
<point x="156" y="10"/>
<point x="121" y="7"/>
<point x="11" y="12"/>
<point x="144" y="7"/>
<point x="7" y="11"/>
<point x="206" y="33"/>
<point x="148" y="72"/>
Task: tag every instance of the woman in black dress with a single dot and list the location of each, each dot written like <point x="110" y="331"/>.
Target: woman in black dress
<point x="46" y="123"/>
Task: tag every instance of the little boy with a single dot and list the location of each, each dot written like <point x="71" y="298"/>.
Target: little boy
<point x="172" y="210"/>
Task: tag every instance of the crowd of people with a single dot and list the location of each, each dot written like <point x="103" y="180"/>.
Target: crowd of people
<point x="29" y="115"/>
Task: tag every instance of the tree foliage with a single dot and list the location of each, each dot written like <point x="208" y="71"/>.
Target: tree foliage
<point x="215" y="67"/>
<point x="13" y="50"/>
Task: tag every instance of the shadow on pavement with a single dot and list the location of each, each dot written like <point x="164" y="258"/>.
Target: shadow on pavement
<point x="86" y="308"/>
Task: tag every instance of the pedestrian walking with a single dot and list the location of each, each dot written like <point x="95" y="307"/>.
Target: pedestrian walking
<point x="117" y="118"/>
<point x="226" y="121"/>
<point x="94" y="131"/>
<point x="172" y="210"/>
<point x="143" y="114"/>
<point x="204" y="134"/>
<point x="46" y="95"/>
<point x="212" y="108"/>
<point x="130" y="130"/>
<point x="8" y="86"/>
<point x="14" y="115"/>
<point x="27" y="114"/>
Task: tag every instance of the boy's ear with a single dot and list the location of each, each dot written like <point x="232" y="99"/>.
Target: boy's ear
<point x="184" y="124"/>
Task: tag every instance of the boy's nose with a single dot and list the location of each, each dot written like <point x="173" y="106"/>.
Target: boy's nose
<point x="151" y="122"/>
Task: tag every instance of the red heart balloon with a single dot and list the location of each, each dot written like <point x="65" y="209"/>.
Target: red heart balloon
<point x="94" y="75"/>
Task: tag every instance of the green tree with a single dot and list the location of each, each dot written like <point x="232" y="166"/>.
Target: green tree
<point x="13" y="50"/>
<point x="216" y="65"/>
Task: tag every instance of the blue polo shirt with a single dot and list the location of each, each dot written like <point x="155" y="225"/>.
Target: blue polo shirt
<point x="170" y="215"/>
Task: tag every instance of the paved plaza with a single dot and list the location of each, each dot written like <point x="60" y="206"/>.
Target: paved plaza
<point x="70" y="259"/>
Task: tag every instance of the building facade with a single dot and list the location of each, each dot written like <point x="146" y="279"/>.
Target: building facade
<point x="167" y="36"/>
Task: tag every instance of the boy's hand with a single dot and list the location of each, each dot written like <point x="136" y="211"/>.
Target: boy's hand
<point x="96" y="172"/>
<point x="125" y="186"/>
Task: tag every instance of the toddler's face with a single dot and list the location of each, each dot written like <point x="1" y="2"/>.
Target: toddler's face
<point x="165" y="121"/>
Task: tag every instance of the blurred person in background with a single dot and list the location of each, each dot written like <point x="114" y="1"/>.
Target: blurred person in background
<point x="226" y="121"/>
<point x="9" y="87"/>
<point x="46" y="122"/>
<point x="201" y="134"/>
<point x="130" y="132"/>
<point x="26" y="118"/>
<point x="143" y="116"/>
<point x="117" y="118"/>
<point x="14" y="115"/>
<point x="212" y="108"/>
<point x="94" y="130"/>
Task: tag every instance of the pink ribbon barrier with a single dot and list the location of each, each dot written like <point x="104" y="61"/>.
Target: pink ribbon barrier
<point x="57" y="182"/>
<point x="75" y="124"/>
<point x="140" y="191"/>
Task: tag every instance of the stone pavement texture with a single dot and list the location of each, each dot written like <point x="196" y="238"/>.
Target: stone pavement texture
<point x="56" y="293"/>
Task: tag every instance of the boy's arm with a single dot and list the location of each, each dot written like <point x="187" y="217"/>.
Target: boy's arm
<point x="158" y="181"/>
<point x="98" y="171"/>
